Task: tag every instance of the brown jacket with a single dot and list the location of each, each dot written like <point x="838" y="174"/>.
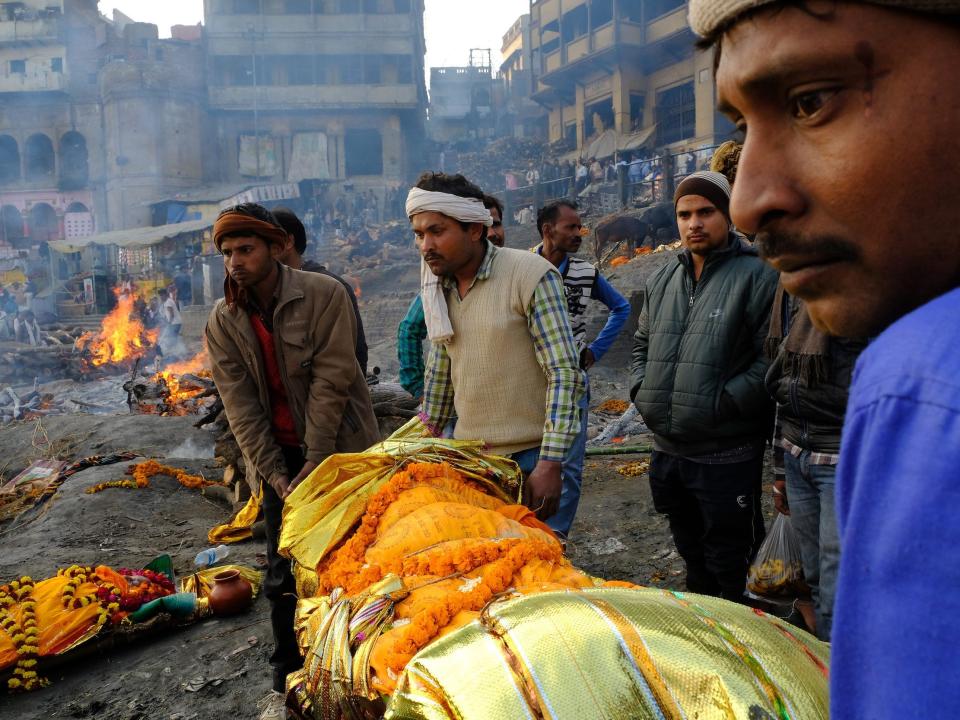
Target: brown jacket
<point x="315" y="333"/>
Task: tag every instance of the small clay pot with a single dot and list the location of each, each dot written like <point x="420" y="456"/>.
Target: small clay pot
<point x="231" y="593"/>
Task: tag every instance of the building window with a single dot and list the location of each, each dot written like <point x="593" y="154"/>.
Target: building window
<point x="401" y="6"/>
<point x="364" y="152"/>
<point x="601" y="12"/>
<point x="246" y="7"/>
<point x="631" y="10"/>
<point x="637" y="101"/>
<point x="404" y="69"/>
<point x="18" y="67"/>
<point x="656" y="8"/>
<point x="350" y="7"/>
<point x="371" y="69"/>
<point x="676" y="114"/>
<point x="298" y="7"/>
<point x="574" y="24"/>
<point x="56" y="65"/>
<point x="9" y="159"/>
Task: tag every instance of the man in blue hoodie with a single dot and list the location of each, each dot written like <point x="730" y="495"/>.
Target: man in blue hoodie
<point x="848" y="176"/>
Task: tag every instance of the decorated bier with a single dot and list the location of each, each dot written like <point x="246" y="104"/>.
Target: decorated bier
<point x="428" y="592"/>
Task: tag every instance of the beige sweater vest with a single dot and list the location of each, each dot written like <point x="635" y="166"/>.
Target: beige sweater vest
<point x="499" y="386"/>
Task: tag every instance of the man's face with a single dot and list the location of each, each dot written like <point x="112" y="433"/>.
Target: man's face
<point x="564" y="234"/>
<point x="703" y="228"/>
<point x="444" y="244"/>
<point x="495" y="233"/>
<point x="249" y="259"/>
<point x="848" y="169"/>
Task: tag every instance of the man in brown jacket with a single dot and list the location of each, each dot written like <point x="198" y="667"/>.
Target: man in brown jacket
<point x="281" y="347"/>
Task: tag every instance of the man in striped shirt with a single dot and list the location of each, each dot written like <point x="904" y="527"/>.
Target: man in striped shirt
<point x="560" y="230"/>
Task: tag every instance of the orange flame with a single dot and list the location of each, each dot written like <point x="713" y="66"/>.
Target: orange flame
<point x="356" y="290"/>
<point x="197" y="365"/>
<point x="122" y="335"/>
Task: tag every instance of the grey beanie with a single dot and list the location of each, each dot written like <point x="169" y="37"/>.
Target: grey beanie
<point x="708" y="16"/>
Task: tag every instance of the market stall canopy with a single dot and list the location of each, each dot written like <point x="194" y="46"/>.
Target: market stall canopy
<point x="638" y="139"/>
<point x="134" y="237"/>
<point x="610" y="141"/>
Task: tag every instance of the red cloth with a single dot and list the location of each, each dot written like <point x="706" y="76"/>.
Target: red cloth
<point x="284" y="428"/>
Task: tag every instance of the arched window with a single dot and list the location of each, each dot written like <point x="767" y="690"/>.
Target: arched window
<point x="40" y="158"/>
<point x="77" y="207"/>
<point x="9" y="160"/>
<point x="11" y="224"/>
<point x="74" y="167"/>
<point x="44" y="225"/>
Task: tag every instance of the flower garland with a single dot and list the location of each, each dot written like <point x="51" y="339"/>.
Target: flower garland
<point x="494" y="580"/>
<point x="25" y="634"/>
<point x="345" y="567"/>
<point x="146" y="470"/>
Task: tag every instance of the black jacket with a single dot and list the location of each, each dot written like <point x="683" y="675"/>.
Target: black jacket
<point x="810" y="413"/>
<point x="362" y="352"/>
<point x="698" y="365"/>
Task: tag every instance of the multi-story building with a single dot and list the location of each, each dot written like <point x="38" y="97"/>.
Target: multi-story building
<point x="520" y="115"/>
<point x="95" y="119"/>
<point x="461" y="100"/>
<point x="630" y="66"/>
<point x="324" y="90"/>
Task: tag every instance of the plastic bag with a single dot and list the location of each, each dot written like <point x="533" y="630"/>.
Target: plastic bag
<point x="777" y="571"/>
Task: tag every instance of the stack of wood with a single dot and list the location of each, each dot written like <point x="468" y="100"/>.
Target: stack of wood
<point x="31" y="406"/>
<point x="58" y="358"/>
<point x="150" y="394"/>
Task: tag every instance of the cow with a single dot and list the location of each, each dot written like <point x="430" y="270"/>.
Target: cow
<point x="656" y="222"/>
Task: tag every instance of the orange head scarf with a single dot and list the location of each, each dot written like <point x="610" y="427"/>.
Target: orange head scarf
<point x="236" y="223"/>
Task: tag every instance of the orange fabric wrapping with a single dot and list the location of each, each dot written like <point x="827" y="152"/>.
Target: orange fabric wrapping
<point x="442" y="521"/>
<point x="446" y="491"/>
<point x="59" y="628"/>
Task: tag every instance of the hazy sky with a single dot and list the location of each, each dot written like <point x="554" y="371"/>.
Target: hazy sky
<point x="452" y="26"/>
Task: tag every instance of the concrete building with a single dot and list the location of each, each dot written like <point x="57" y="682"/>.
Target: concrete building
<point x="627" y="70"/>
<point x="462" y="100"/>
<point x="326" y="91"/>
<point x="95" y="119"/>
<point x="520" y="116"/>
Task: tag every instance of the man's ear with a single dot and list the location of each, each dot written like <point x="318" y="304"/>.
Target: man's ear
<point x="277" y="250"/>
<point x="476" y="232"/>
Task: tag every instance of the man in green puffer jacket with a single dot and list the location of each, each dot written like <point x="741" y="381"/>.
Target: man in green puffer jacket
<point x="698" y="372"/>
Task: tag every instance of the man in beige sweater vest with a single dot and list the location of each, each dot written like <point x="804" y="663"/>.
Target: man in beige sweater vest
<point x="502" y="358"/>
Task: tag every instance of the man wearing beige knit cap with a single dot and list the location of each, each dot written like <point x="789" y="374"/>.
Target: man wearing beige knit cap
<point x="848" y="175"/>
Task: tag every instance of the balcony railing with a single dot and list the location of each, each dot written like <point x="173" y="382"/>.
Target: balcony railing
<point x="317" y="97"/>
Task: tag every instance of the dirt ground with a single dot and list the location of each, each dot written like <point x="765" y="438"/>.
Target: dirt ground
<point x="218" y="668"/>
<point x="617" y="535"/>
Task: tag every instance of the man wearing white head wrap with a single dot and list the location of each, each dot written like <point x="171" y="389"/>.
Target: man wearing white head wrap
<point x="506" y="366"/>
<point x="851" y="114"/>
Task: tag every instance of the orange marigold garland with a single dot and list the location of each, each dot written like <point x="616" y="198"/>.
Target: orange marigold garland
<point x="495" y="579"/>
<point x="142" y="473"/>
<point x="345" y="567"/>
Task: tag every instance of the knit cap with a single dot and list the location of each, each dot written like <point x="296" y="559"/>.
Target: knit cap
<point x="708" y="16"/>
<point x="711" y="185"/>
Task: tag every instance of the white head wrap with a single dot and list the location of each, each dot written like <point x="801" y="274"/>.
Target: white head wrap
<point x="468" y="210"/>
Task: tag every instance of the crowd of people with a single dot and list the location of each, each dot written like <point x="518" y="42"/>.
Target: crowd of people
<point x="793" y="315"/>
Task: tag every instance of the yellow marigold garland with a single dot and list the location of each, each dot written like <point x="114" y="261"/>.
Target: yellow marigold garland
<point x="24" y="634"/>
<point x="146" y="470"/>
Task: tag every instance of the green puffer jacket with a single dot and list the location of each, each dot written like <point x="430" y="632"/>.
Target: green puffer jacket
<point x="698" y="365"/>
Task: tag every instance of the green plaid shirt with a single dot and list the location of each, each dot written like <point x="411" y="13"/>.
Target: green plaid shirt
<point x="556" y="352"/>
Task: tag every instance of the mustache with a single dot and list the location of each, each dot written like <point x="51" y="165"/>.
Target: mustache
<point x="773" y="244"/>
<point x="432" y="256"/>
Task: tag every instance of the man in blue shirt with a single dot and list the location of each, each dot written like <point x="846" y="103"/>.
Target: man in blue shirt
<point x="560" y="230"/>
<point x="848" y="175"/>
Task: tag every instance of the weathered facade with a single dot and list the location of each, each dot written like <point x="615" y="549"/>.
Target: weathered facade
<point x="520" y="116"/>
<point x="629" y="66"/>
<point x="462" y="100"/>
<point x="325" y="90"/>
